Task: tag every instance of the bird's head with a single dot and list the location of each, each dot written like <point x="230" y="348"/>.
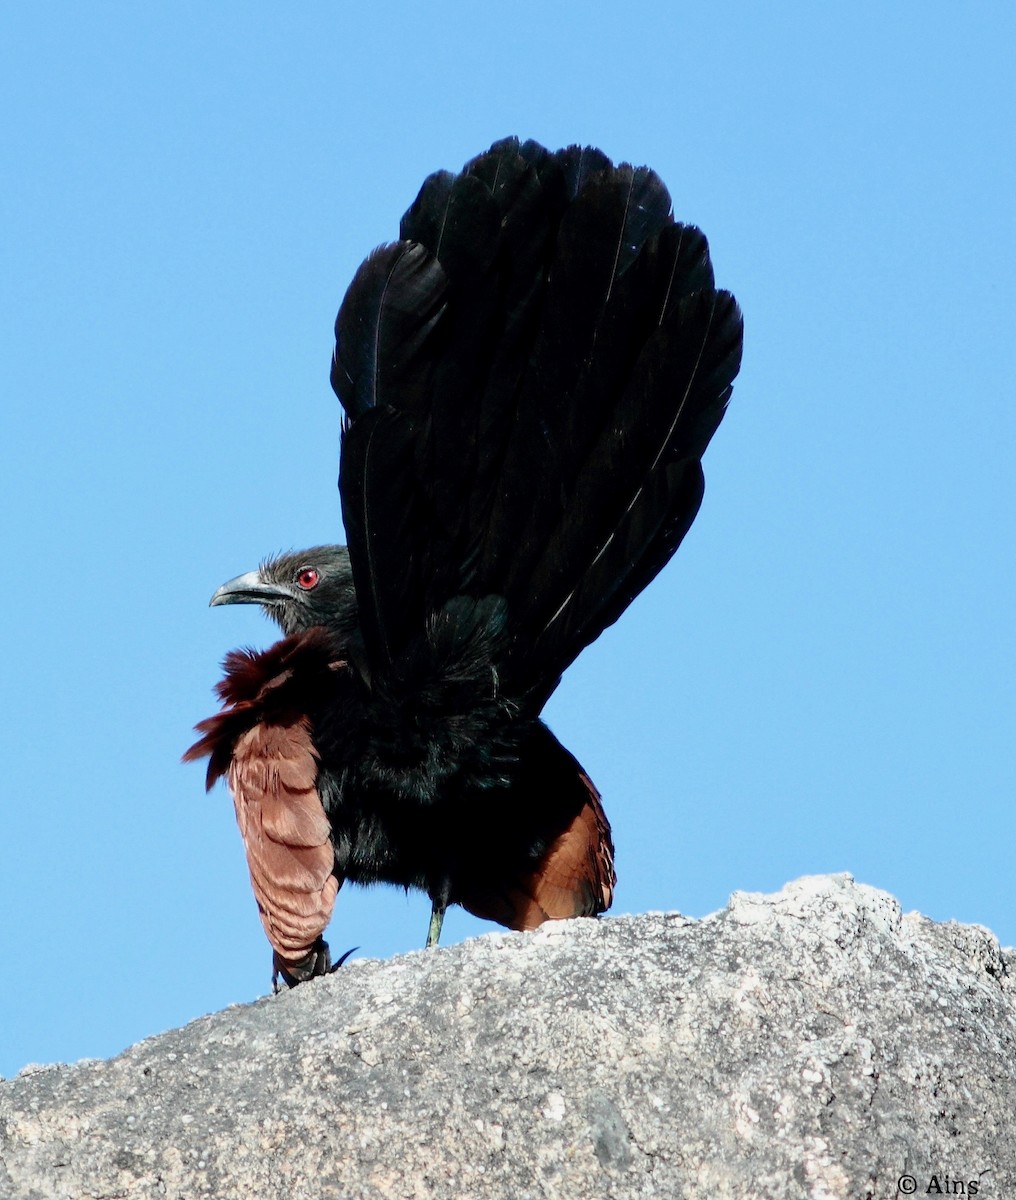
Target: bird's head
<point x="298" y="590"/>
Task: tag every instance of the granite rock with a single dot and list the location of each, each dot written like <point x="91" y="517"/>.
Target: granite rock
<point x="812" y="1043"/>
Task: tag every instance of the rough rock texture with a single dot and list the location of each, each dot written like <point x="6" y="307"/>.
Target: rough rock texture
<point x="812" y="1043"/>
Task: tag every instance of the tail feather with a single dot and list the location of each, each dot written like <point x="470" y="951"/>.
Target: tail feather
<point x="585" y="348"/>
<point x="577" y="164"/>
<point x="457" y="219"/>
<point x="386" y="329"/>
<point x="555" y="360"/>
<point x="637" y="494"/>
<point x="386" y="527"/>
<point x="534" y="192"/>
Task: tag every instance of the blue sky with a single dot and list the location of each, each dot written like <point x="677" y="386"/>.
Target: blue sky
<point x="821" y="680"/>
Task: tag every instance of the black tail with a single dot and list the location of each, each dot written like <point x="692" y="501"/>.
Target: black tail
<point x="531" y="376"/>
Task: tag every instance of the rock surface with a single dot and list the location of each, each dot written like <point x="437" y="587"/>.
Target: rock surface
<point x="813" y="1043"/>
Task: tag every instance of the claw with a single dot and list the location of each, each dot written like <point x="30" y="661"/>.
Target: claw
<point x="338" y="963"/>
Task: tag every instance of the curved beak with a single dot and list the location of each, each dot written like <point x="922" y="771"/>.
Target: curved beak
<point x="250" y="589"/>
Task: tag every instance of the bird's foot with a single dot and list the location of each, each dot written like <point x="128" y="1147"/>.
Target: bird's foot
<point x="316" y="962"/>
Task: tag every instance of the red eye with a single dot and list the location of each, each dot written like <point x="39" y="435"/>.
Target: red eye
<point x="307" y="577"/>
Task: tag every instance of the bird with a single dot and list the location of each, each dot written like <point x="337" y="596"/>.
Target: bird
<point x="530" y="375"/>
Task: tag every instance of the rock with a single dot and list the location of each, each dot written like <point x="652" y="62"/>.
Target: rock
<point x="814" y="1043"/>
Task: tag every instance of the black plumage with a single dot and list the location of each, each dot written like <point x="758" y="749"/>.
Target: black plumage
<point x="530" y="378"/>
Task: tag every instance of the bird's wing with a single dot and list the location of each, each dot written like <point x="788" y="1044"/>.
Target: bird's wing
<point x="262" y="741"/>
<point x="569" y="859"/>
<point x="530" y="376"/>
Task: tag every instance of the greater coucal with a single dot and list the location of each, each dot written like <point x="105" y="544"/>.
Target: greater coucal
<point x="530" y="376"/>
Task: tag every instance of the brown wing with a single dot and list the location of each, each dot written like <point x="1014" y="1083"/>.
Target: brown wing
<point x="262" y="742"/>
<point x="273" y="778"/>
<point x="575" y="876"/>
